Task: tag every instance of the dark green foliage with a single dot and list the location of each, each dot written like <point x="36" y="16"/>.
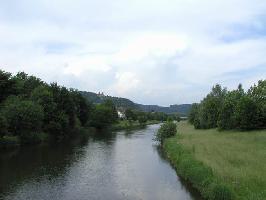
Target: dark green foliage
<point x="258" y="94"/>
<point x="231" y="109"/>
<point x="228" y="111"/>
<point x="114" y="115"/>
<point x="247" y="112"/>
<point x="3" y="126"/>
<point x="130" y="114"/>
<point x="142" y="119"/>
<point x="28" y="106"/>
<point x="23" y="116"/>
<point x="83" y="107"/>
<point x="6" y="85"/>
<point x="166" y="130"/>
<point x="25" y="84"/>
<point x="102" y="116"/>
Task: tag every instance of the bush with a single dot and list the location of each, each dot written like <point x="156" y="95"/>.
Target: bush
<point x="166" y="130"/>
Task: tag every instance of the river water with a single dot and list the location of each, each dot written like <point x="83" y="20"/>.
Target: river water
<point x="109" y="166"/>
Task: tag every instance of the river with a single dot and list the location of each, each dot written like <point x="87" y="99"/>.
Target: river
<point x="124" y="165"/>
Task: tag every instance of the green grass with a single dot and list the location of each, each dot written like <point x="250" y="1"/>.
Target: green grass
<point x="236" y="159"/>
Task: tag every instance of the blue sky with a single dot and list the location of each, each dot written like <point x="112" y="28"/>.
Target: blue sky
<point x="151" y="51"/>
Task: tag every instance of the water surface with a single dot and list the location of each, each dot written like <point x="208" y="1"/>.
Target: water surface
<point x="122" y="165"/>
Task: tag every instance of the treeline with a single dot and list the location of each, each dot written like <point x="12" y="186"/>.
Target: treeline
<point x="30" y="107"/>
<point x="234" y="109"/>
<point x="143" y="117"/>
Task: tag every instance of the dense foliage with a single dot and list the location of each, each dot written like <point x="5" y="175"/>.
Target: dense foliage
<point x="234" y="109"/>
<point x="142" y="117"/>
<point x="30" y="107"/>
<point x="166" y="130"/>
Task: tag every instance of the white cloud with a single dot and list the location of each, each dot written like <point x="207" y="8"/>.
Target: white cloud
<point x="125" y="82"/>
<point x="151" y="51"/>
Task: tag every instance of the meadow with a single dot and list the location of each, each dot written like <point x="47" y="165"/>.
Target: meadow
<point x="231" y="158"/>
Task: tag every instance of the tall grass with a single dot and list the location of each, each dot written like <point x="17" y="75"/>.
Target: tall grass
<point x="236" y="160"/>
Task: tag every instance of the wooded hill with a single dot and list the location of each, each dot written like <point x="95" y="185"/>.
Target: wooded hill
<point x="182" y="109"/>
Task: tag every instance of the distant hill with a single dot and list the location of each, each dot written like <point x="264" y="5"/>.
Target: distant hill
<point x="118" y="101"/>
<point x="182" y="109"/>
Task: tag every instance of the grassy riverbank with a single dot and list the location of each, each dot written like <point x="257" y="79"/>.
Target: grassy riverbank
<point x="125" y="124"/>
<point x="220" y="163"/>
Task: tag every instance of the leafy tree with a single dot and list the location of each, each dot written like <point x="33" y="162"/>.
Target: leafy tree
<point x="227" y="117"/>
<point x="258" y="94"/>
<point x="247" y="113"/>
<point x="44" y="97"/>
<point x="101" y="116"/>
<point x="166" y="130"/>
<point x="109" y="103"/>
<point x="130" y="115"/>
<point x="23" y="116"/>
<point x="142" y="118"/>
<point x="25" y="84"/>
<point x="232" y="110"/>
<point x="6" y="85"/>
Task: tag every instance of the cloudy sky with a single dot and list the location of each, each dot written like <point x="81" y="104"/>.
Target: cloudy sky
<point x="151" y="51"/>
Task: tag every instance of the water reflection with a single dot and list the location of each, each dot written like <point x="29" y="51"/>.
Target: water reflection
<point x="121" y="165"/>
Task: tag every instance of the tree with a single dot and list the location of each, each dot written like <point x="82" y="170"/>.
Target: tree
<point x="44" y="97"/>
<point x="247" y="113"/>
<point x="130" y="115"/>
<point x="258" y="94"/>
<point x="109" y="103"/>
<point x="101" y="116"/>
<point x="6" y="85"/>
<point x="83" y="107"/>
<point x="25" y="84"/>
<point x="193" y="113"/>
<point x="166" y="130"/>
<point x="227" y="116"/>
<point x="142" y="118"/>
<point x="23" y="116"/>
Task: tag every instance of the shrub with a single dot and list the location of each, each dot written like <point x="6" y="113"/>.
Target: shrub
<point x="166" y="130"/>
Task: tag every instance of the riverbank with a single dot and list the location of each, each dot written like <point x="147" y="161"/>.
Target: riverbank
<point x="221" y="165"/>
<point x="10" y="141"/>
<point x="127" y="125"/>
<point x="82" y="133"/>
